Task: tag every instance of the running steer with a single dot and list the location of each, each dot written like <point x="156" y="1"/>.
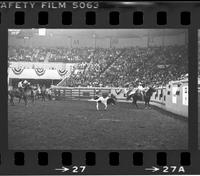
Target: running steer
<point x="106" y="101"/>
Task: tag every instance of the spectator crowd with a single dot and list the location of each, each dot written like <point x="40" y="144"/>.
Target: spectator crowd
<point x="113" y="67"/>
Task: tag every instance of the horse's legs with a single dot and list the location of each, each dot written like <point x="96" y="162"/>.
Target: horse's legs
<point x="135" y="102"/>
<point x="136" y="105"/>
<point x="97" y="106"/>
<point x="146" y="104"/>
<point x="19" y="99"/>
<point x="33" y="99"/>
<point x="43" y="97"/>
<point x="25" y="100"/>
<point x="12" y="100"/>
<point x="149" y="105"/>
<point x="105" y="106"/>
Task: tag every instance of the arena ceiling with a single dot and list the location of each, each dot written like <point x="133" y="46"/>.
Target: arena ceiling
<point x="100" y="33"/>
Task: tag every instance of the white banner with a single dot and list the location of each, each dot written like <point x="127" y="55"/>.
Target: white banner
<point x="174" y="96"/>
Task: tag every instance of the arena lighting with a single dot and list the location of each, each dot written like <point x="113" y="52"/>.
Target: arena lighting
<point x="42" y="32"/>
<point x="14" y="31"/>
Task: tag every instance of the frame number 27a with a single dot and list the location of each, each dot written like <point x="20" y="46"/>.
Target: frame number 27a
<point x="167" y="169"/>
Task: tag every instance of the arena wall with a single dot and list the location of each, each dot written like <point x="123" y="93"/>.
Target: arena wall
<point x="172" y="98"/>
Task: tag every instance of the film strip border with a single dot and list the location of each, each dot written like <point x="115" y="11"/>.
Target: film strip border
<point x="113" y="15"/>
<point x="91" y="162"/>
<point x="90" y="158"/>
<point x="104" y="162"/>
<point x="91" y="19"/>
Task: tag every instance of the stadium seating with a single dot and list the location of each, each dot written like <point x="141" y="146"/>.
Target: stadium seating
<point x="113" y="67"/>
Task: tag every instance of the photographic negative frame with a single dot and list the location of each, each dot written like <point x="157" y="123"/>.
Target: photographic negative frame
<point x="108" y="15"/>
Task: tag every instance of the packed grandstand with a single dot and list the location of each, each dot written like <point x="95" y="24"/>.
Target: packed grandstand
<point x="113" y="67"/>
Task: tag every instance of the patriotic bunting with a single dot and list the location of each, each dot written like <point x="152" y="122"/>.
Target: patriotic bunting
<point x="62" y="72"/>
<point x="40" y="71"/>
<point x="18" y="70"/>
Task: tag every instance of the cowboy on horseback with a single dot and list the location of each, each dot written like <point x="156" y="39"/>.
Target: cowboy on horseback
<point x="20" y="86"/>
<point x="140" y="90"/>
<point x="25" y="84"/>
<point x="39" y="89"/>
<point x="146" y="94"/>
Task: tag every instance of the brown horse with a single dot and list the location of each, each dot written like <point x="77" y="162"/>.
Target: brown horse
<point x="40" y="92"/>
<point x="138" y="96"/>
<point x="15" y="93"/>
<point x="24" y="94"/>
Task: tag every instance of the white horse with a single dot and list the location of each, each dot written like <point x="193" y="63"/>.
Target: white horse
<point x="106" y="101"/>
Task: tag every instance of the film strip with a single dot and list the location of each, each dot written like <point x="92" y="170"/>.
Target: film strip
<point x="99" y="88"/>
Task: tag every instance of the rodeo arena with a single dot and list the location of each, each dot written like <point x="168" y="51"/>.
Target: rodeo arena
<point x="97" y="89"/>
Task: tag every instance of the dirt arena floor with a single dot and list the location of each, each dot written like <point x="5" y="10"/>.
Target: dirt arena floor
<point x="78" y="125"/>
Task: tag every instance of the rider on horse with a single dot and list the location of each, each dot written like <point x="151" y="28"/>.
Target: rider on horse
<point x="39" y="89"/>
<point x="141" y="89"/>
<point x="20" y="86"/>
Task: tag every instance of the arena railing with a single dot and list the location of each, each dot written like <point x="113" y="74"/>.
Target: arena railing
<point x="173" y="97"/>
